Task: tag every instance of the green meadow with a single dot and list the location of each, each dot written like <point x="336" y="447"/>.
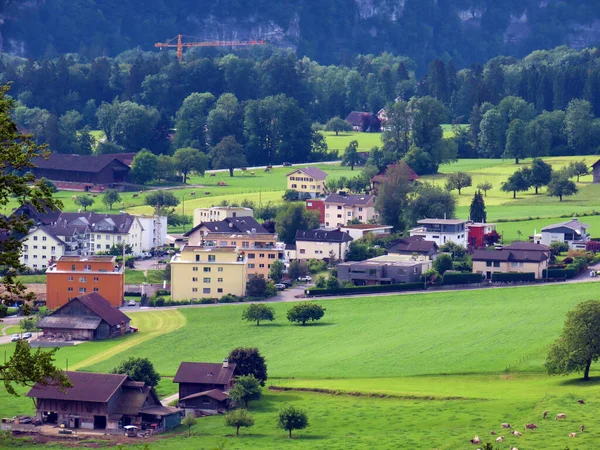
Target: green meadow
<point x="416" y="371"/>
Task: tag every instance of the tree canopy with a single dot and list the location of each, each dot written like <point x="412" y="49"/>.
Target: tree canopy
<point x="139" y="369"/>
<point x="249" y="361"/>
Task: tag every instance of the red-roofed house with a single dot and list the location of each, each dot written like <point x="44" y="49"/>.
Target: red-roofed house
<point x="380" y="177"/>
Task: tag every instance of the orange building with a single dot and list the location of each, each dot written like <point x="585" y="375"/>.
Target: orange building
<point x="73" y="276"/>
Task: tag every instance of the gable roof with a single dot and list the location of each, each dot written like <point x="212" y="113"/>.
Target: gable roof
<point x="412" y="244"/>
<point x="120" y="223"/>
<point x="572" y="224"/>
<point x="99" y="306"/>
<point x="87" y="387"/>
<point x="526" y="246"/>
<point x="232" y="224"/>
<point x="596" y="163"/>
<point x="205" y="373"/>
<point x="323" y="236"/>
<point x="213" y="393"/>
<point x="44" y="215"/>
<point x="355" y="118"/>
<point x="70" y="322"/>
<point x="313" y="172"/>
<point x="77" y="163"/>
<point x="351" y="199"/>
<point x="509" y="255"/>
<point x="380" y="177"/>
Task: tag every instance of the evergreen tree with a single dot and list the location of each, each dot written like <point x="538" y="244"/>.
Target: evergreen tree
<point x="477" y="210"/>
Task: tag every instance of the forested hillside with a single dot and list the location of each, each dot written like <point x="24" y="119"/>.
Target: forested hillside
<point x="329" y="31"/>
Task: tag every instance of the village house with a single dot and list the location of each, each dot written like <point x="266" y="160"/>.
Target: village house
<point x="322" y="244"/>
<point x="81" y="172"/>
<point x="239" y="225"/>
<point x="342" y="208"/>
<point x="318" y="205"/>
<point x="380" y="177"/>
<point x="72" y="276"/>
<point x="208" y="272"/>
<point x="218" y="213"/>
<point x="204" y="386"/>
<point x="573" y="232"/>
<point x="363" y="121"/>
<point x="387" y="269"/>
<point x="99" y="401"/>
<point x="154" y="232"/>
<point x="87" y="317"/>
<point x="476" y="233"/>
<point x="307" y="180"/>
<point x="361" y="230"/>
<point x="441" y="231"/>
<point x="520" y="259"/>
<point x="415" y="248"/>
<point x="596" y="172"/>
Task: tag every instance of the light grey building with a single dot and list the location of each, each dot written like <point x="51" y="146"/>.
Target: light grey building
<point x="387" y="269"/>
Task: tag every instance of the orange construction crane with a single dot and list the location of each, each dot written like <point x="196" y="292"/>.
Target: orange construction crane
<point x="180" y="44"/>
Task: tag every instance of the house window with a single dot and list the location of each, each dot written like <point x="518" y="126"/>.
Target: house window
<point x="96" y="279"/>
<point x="220" y="290"/>
<point x="96" y="289"/>
<point x="43" y="256"/>
<point x="359" y="217"/>
<point x="83" y="279"/>
<point x="250" y="266"/>
<point x="70" y="278"/>
<point x="82" y="290"/>
<point x="197" y="258"/>
<point x="303" y="186"/>
<point x="194" y="279"/>
<point x="272" y="256"/>
<point x="98" y="237"/>
<point x="212" y="258"/>
<point x="496" y="263"/>
<point x="302" y="251"/>
<point x="98" y="246"/>
<point x="35" y="238"/>
<point x="222" y="243"/>
<point x="53" y="249"/>
<point x="488" y="264"/>
<point x="514" y="265"/>
<point x="69" y="289"/>
<point x="251" y="255"/>
<point x="360" y="209"/>
<point x="35" y="266"/>
<point x="206" y="291"/>
<point x="261" y="255"/>
<point x="107" y="247"/>
<point x="118" y="238"/>
<point x="349" y="213"/>
<point x="25" y="257"/>
<point x="206" y="280"/>
<point x="294" y="186"/>
<point x="25" y="247"/>
<point x="43" y="247"/>
<point x="194" y="289"/>
<point x="207" y="269"/>
<point x="261" y="266"/>
<point x="219" y="280"/>
<point x="107" y="237"/>
<point x="35" y="247"/>
<point x="219" y="269"/>
<point x="245" y="244"/>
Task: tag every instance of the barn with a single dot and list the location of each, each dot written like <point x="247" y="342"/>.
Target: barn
<point x="88" y="317"/>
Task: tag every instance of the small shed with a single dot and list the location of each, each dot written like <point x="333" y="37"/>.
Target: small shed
<point x="211" y="402"/>
<point x="596" y="171"/>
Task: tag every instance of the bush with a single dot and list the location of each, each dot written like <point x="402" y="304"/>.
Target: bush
<point x="133" y="294"/>
<point x="159" y="301"/>
<point x="368" y="289"/>
<point x="206" y="301"/>
<point x="567" y="260"/>
<point x="291" y="195"/>
<point x="161" y="292"/>
<point x="304" y="312"/>
<point x="461" y="278"/>
<point x="508" y="277"/>
<point x="559" y="247"/>
<point x="316" y="265"/>
<point x="559" y="273"/>
<point x="229" y="298"/>
<point x="593" y="246"/>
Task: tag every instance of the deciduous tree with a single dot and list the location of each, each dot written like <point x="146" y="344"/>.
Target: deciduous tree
<point x="337" y="124"/>
<point x="228" y="154"/>
<point x="517" y="182"/>
<point x="294" y="217"/>
<point x="164" y="167"/>
<point x="351" y="156"/>
<point x="541" y="173"/>
<point x="187" y="160"/>
<point x="561" y="186"/>
<point x="516" y="145"/>
<point x="442" y="263"/>
<point x="161" y="199"/>
<point x="189" y="421"/>
<point x="276" y="271"/>
<point x="305" y="311"/>
<point x="392" y="197"/>
<point x="458" y="181"/>
<point x="143" y="167"/>
<point x="110" y="197"/>
<point x="255" y="312"/>
<point x="84" y="201"/>
<point x="246" y="388"/>
<point x="485" y="186"/>
<point x="238" y="418"/>
<point x="430" y="201"/>
<point x="249" y="361"/>
<point x="139" y="369"/>
<point x="291" y="418"/>
<point x="578" y="169"/>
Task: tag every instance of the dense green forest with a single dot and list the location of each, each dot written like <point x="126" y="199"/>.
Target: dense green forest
<point x="547" y="103"/>
<point x="328" y="31"/>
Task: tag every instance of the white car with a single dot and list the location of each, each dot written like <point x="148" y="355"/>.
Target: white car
<point x="280" y="286"/>
<point x="131" y="303"/>
<point x="27" y="335"/>
<point x="306" y="278"/>
<point x="15" y="338"/>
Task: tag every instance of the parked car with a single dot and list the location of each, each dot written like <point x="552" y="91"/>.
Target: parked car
<point x="134" y="329"/>
<point x="27" y="335"/>
<point x="280" y="286"/>
<point x="306" y="279"/>
<point x="287" y="164"/>
<point x="131" y="303"/>
<point x="15" y="338"/>
<point x="288" y="283"/>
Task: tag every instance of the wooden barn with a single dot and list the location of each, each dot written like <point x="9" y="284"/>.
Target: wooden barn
<point x="209" y="402"/>
<point x="99" y="401"/>
<point x="102" y="170"/>
<point x="88" y="317"/>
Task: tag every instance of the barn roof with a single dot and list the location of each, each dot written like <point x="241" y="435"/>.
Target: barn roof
<point x="77" y="163"/>
<point x="213" y="393"/>
<point x="195" y="372"/>
<point x="350" y="199"/>
<point x="355" y="117"/>
<point x="87" y="387"/>
<point x="70" y="322"/>
<point x="336" y="236"/>
<point x="97" y="304"/>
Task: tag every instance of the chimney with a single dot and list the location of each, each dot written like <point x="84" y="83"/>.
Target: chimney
<point x="225" y="363"/>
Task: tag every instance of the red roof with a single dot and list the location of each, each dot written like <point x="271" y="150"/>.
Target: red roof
<point x="412" y="175"/>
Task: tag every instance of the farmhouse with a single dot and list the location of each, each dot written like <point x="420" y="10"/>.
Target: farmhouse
<point x="487" y="262"/>
<point x="99" y="401"/>
<point x="343" y="208"/>
<point x="199" y="272"/>
<point x="322" y="244"/>
<point x="87" y="317"/>
<point x="71" y="276"/>
<point x="441" y="231"/>
<point x="204" y="386"/>
<point x="218" y="213"/>
<point x="308" y="180"/>
<point x="82" y="172"/>
<point x="414" y="247"/>
<point x="573" y="232"/>
<point x="363" y="121"/>
<point x="387" y="269"/>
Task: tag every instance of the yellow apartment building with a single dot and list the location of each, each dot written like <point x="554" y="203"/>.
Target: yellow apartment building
<point x="309" y="180"/>
<point x="201" y="271"/>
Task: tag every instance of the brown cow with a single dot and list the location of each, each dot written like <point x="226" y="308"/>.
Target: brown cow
<point x="252" y="173"/>
<point x="545" y="414"/>
<point x="192" y="193"/>
<point x="582" y="428"/>
<point x="476" y="440"/>
<point x="213" y="174"/>
<point x="500" y="439"/>
<point x="516" y="433"/>
<point x="561" y="416"/>
<point x="531" y="426"/>
<point x="581" y="402"/>
<point x="506" y="425"/>
<point x="572" y="434"/>
<point x="135" y="195"/>
<point x="493" y="433"/>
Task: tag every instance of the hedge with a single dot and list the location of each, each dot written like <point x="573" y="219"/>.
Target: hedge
<point x="133" y="294"/>
<point x="559" y="273"/>
<point x="461" y="278"/>
<point x="512" y="276"/>
<point x="368" y="289"/>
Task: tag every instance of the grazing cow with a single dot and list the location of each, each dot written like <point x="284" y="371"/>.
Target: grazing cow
<point x="582" y="428"/>
<point x="506" y="425"/>
<point x="493" y="433"/>
<point x="545" y="414"/>
<point x="516" y="433"/>
<point x="500" y="439"/>
<point x="252" y="173"/>
<point x="531" y="426"/>
<point x="135" y="195"/>
<point x="74" y="197"/>
<point x="207" y="193"/>
<point x="95" y="195"/>
<point x="581" y="402"/>
<point x="561" y="416"/>
<point x="213" y="174"/>
<point x="476" y="440"/>
<point x="244" y="168"/>
<point x="141" y="192"/>
<point x="192" y="193"/>
<point x="572" y="434"/>
<point x="514" y="448"/>
<point x="267" y="170"/>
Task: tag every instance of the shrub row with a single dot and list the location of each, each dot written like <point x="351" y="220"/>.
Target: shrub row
<point x="368" y="289"/>
<point x="559" y="273"/>
<point x="512" y="276"/>
<point x="133" y="294"/>
<point x="461" y="278"/>
<point x="159" y="301"/>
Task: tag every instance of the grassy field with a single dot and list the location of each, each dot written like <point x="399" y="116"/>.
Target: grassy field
<point x="443" y="366"/>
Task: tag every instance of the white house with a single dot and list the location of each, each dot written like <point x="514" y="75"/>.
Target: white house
<point x="573" y="232"/>
<point x="154" y="231"/>
<point x="41" y="247"/>
<point x="218" y="213"/>
<point x="442" y="231"/>
<point x="361" y="230"/>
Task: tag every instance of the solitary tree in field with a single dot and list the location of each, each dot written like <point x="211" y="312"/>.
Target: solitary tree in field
<point x="84" y="201"/>
<point x="458" y="181"/>
<point x="477" y="210"/>
<point x="189" y="421"/>
<point x="291" y="418"/>
<point x="337" y="124"/>
<point x="305" y="311"/>
<point x="485" y="186"/>
<point x="110" y="197"/>
<point x="255" y="312"/>
<point x="249" y="361"/>
<point x="578" y="168"/>
<point x="541" y="174"/>
<point x="561" y="186"/>
<point x="517" y="182"/>
<point x="228" y="154"/>
<point x="238" y="418"/>
<point x="351" y="156"/>
<point x="139" y="369"/>
<point x="246" y="388"/>
<point x="187" y="160"/>
<point x="578" y="345"/>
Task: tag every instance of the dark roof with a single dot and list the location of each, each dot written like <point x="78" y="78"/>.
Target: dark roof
<point x="111" y="223"/>
<point x="87" y="387"/>
<point x="132" y="399"/>
<point x="125" y="158"/>
<point x="323" y="236"/>
<point x="412" y="175"/>
<point x="509" y="255"/>
<point x="44" y="215"/>
<point x="99" y="306"/>
<point x="213" y="393"/>
<point x="596" y="163"/>
<point x="159" y="410"/>
<point x="351" y="199"/>
<point x="192" y="372"/>
<point x="441" y="221"/>
<point x="70" y="322"/>
<point x="413" y="244"/>
<point x="572" y="224"/>
<point x="355" y="118"/>
<point x="77" y="163"/>
<point x="529" y="246"/>
<point x="245" y="225"/>
<point x="313" y="172"/>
